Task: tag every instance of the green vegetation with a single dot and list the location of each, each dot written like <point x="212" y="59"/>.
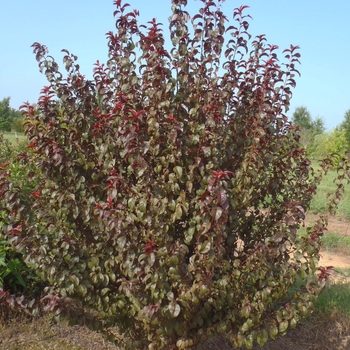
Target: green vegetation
<point x="15" y="137"/>
<point x="148" y="157"/>
<point x="335" y="299"/>
<point x="345" y="125"/>
<point x="319" y="202"/>
<point x="309" y="128"/>
<point x="131" y="199"/>
<point x="10" y="119"/>
<point x="318" y="142"/>
<point x="329" y="142"/>
<point x="11" y="268"/>
<point x="11" y="145"/>
<point x="15" y="275"/>
<point x="343" y="271"/>
<point x="336" y="243"/>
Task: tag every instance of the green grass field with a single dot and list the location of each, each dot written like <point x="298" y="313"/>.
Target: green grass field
<point x="319" y="202"/>
<point x="334" y="301"/>
<point x="14" y="136"/>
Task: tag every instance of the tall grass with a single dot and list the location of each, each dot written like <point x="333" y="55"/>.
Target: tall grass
<point x="319" y="204"/>
<point x="334" y="299"/>
<point x="14" y="137"/>
<point x="336" y="243"/>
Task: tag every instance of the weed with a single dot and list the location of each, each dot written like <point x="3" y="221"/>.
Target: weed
<point x="334" y="298"/>
<point x="319" y="203"/>
<point x="14" y="137"/>
<point x="343" y="271"/>
<point x="335" y="242"/>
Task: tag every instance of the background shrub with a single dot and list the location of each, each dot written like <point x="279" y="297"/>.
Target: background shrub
<point x="15" y="276"/>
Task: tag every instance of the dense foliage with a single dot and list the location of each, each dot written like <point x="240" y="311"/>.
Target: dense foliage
<point x="15" y="276"/>
<point x="331" y="142"/>
<point x="10" y="118"/>
<point x="345" y="125"/>
<point x="309" y="128"/>
<point x="317" y="142"/>
<point x="171" y="186"/>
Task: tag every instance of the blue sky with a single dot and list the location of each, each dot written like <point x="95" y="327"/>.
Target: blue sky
<point x="321" y="28"/>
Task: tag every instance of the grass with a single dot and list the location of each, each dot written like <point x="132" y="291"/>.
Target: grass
<point x="333" y="304"/>
<point x="42" y="333"/>
<point x="334" y="299"/>
<point x="343" y="271"/>
<point x="336" y="243"/>
<point x="14" y="136"/>
<point x="319" y="202"/>
<point x="332" y="242"/>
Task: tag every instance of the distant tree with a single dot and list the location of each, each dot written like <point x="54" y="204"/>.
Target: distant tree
<point x="317" y="126"/>
<point x="17" y="122"/>
<point x="309" y="128"/>
<point x="345" y="125"/>
<point x="5" y="114"/>
<point x="10" y="118"/>
<point x="302" y="117"/>
<point x="329" y="143"/>
<point x="306" y="137"/>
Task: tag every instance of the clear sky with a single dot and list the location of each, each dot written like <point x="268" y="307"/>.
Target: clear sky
<point x="321" y="28"/>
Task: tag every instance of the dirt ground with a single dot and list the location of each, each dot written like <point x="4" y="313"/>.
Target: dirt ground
<point x="316" y="333"/>
<point x="329" y="258"/>
<point x="335" y="224"/>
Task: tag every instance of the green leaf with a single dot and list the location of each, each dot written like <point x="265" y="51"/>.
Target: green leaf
<point x="2" y="258"/>
<point x="189" y="234"/>
<point x="283" y="326"/>
<point x="273" y="332"/>
<point x="222" y="327"/>
<point x="174" y="309"/>
<point x="70" y="289"/>
<point x="189" y="186"/>
<point x="262" y="337"/>
<point x="94" y="261"/>
<point x="151" y="259"/>
<point x="293" y="322"/>
<point x="121" y="241"/>
<point x="249" y="341"/>
<point x="178" y="212"/>
<point x="205" y="247"/>
<point x="105" y="291"/>
<point x="142" y="205"/>
<point x="298" y="256"/>
<point x="217" y="213"/>
<point x="82" y="289"/>
<point x="178" y="171"/>
<point x="74" y="279"/>
<point x="13" y="267"/>
<point x="247" y="325"/>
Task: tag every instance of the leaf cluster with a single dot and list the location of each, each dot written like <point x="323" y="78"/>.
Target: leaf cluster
<point x="172" y="185"/>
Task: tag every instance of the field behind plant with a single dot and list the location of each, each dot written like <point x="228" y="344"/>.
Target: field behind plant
<point x="319" y="202"/>
<point x="327" y="328"/>
<point x="14" y="136"/>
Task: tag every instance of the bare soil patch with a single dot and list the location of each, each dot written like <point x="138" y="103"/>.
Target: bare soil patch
<point x="41" y="334"/>
<point x="336" y="224"/>
<point x="333" y="258"/>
